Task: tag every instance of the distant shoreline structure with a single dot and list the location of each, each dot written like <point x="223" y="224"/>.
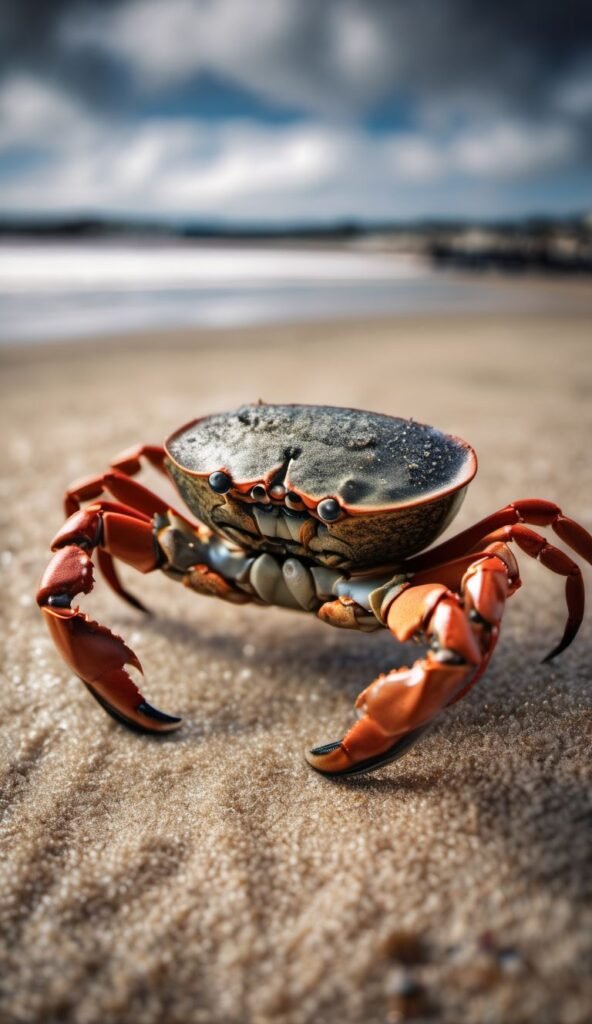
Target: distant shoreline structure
<point x="561" y="245"/>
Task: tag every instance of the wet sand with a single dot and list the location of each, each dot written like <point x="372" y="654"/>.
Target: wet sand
<point x="212" y="876"/>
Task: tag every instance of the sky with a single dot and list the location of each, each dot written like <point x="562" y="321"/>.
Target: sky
<point x="275" y="112"/>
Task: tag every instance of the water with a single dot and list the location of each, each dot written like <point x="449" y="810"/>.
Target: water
<point x="56" y="290"/>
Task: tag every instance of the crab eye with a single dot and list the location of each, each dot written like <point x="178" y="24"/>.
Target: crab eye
<point x="329" y="510"/>
<point x="259" y="493"/>
<point x="293" y="500"/>
<point x="220" y="482"/>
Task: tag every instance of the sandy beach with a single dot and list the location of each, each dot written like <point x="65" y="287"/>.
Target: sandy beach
<point x="212" y="876"/>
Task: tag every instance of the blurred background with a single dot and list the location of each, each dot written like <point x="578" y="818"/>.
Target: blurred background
<point x="218" y="162"/>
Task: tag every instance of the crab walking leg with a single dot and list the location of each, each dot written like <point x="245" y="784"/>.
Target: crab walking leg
<point x="130" y="460"/>
<point x="461" y="630"/>
<point x="557" y="561"/>
<point x="533" y="511"/>
<point x="93" y="652"/>
<point x="122" y="487"/>
<point x="535" y="545"/>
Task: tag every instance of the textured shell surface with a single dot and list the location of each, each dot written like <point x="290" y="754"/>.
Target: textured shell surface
<point x="367" y="460"/>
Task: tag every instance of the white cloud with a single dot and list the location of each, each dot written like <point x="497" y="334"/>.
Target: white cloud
<point x="415" y="158"/>
<point x="497" y="150"/>
<point x="31" y="111"/>
<point x="250" y="171"/>
<point x="259" y="46"/>
<point x="507" y="150"/>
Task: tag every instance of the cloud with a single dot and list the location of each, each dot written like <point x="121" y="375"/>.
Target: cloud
<point x="36" y="114"/>
<point x="509" y="150"/>
<point x="343" y="55"/>
<point x="574" y="93"/>
<point x="336" y="56"/>
<point x="321" y="57"/>
<point x="499" y="150"/>
<point x="247" y="171"/>
<point x="372" y="108"/>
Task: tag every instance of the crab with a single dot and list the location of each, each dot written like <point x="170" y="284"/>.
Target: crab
<point x="316" y="509"/>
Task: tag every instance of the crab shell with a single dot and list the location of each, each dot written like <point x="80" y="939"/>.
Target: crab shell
<point x="397" y="483"/>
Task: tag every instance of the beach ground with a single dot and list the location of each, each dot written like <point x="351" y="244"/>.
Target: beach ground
<point x="212" y="876"/>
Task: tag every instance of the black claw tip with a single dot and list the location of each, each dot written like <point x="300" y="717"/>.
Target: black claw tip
<point x="135" y="603"/>
<point x="397" y="750"/>
<point x="151" y="713"/>
<point x="561" y="646"/>
<point x="327" y="748"/>
<point x="157" y="716"/>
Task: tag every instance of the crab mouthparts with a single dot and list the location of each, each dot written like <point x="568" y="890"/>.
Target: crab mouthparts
<point x="277" y="523"/>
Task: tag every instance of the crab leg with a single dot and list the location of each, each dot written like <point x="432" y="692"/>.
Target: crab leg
<point x="121" y="487"/>
<point x="533" y="511"/>
<point x="533" y="544"/>
<point x="130" y="460"/>
<point x="101" y="659"/>
<point x="461" y="630"/>
<point x="557" y="561"/>
<point x="138" y="499"/>
<point x="126" y="464"/>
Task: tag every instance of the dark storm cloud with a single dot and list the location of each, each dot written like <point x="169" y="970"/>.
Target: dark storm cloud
<point x="30" y="42"/>
<point x="511" y="51"/>
<point x="31" y="28"/>
<point x="335" y="56"/>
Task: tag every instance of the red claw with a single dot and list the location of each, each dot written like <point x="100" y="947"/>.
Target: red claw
<point x="398" y="707"/>
<point x="100" y="658"/>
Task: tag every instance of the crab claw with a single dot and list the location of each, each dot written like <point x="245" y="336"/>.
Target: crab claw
<point x="100" y="658"/>
<point x="398" y="707"/>
<point x="395" y="711"/>
<point x="339" y="758"/>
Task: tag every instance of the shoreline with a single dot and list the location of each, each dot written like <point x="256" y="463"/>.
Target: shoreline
<point x="50" y="312"/>
<point x="203" y="337"/>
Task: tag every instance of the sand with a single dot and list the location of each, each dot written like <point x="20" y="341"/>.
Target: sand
<point x="212" y="876"/>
